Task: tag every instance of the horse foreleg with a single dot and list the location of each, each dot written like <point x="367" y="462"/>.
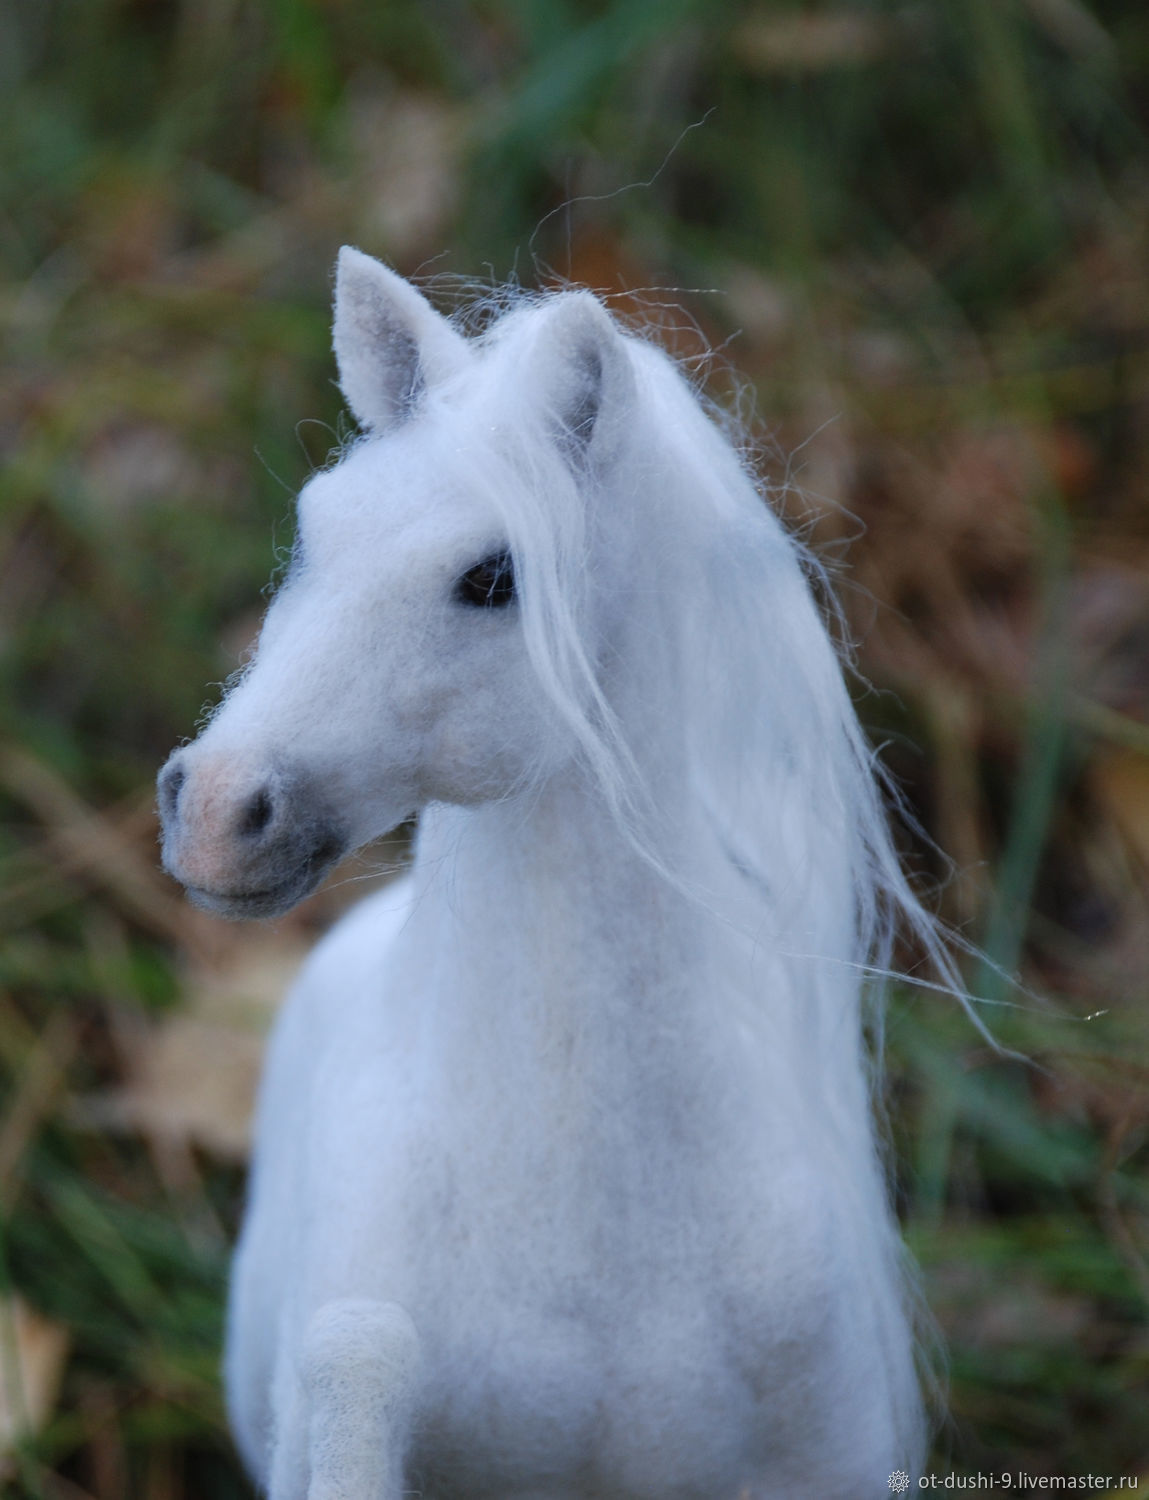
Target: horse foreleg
<point x="359" y="1375"/>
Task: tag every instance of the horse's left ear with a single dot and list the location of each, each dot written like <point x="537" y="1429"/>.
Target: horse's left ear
<point x="582" y="372"/>
<point x="390" y="343"/>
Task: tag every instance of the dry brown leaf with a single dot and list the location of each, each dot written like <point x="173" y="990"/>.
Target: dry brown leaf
<point x="1121" y="778"/>
<point x="192" y="1083"/>
<point x="246" y="989"/>
<point x="809" y="42"/>
<point x="409" y="146"/>
<point x="192" y="1077"/>
<point x="944" y="566"/>
<point x="33" y="1352"/>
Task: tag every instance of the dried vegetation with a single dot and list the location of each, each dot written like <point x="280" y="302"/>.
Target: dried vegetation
<point x="928" y="227"/>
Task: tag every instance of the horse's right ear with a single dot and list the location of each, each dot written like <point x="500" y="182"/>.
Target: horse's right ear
<point x="580" y="371"/>
<point x="390" y="343"/>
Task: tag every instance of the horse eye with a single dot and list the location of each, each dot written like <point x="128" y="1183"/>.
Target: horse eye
<point x="490" y="584"/>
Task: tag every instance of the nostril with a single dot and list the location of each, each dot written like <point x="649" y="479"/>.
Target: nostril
<point x="257" y="814"/>
<point x="171" y="783"/>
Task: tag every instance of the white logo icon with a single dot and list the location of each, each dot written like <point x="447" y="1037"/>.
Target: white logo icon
<point x="899" y="1481"/>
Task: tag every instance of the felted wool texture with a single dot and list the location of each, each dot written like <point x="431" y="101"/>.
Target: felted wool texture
<point x="582" y="1106"/>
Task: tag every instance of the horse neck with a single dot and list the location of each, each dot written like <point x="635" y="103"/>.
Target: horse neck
<point x="548" y="892"/>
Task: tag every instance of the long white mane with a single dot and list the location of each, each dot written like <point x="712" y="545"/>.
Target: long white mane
<point x="741" y="657"/>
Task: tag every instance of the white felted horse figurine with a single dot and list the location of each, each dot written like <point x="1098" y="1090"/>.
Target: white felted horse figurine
<point x="566" y="1182"/>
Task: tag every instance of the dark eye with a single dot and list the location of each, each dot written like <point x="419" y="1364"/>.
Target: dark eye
<point x="490" y="584"/>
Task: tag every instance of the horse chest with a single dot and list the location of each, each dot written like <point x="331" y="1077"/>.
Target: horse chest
<point x="484" y="1176"/>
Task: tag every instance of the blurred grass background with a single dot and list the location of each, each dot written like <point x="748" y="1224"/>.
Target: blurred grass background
<point x="921" y="232"/>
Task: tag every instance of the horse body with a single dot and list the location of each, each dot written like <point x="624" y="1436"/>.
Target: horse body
<point x="555" y="1187"/>
<point x="565" y="1181"/>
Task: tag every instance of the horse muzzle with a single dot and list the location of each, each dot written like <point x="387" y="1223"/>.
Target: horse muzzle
<point x="244" y="841"/>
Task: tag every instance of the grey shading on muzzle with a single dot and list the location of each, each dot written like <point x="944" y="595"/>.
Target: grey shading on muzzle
<point x="284" y="839"/>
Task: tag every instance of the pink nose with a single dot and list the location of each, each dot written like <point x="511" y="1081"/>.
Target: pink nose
<point x="244" y="841"/>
